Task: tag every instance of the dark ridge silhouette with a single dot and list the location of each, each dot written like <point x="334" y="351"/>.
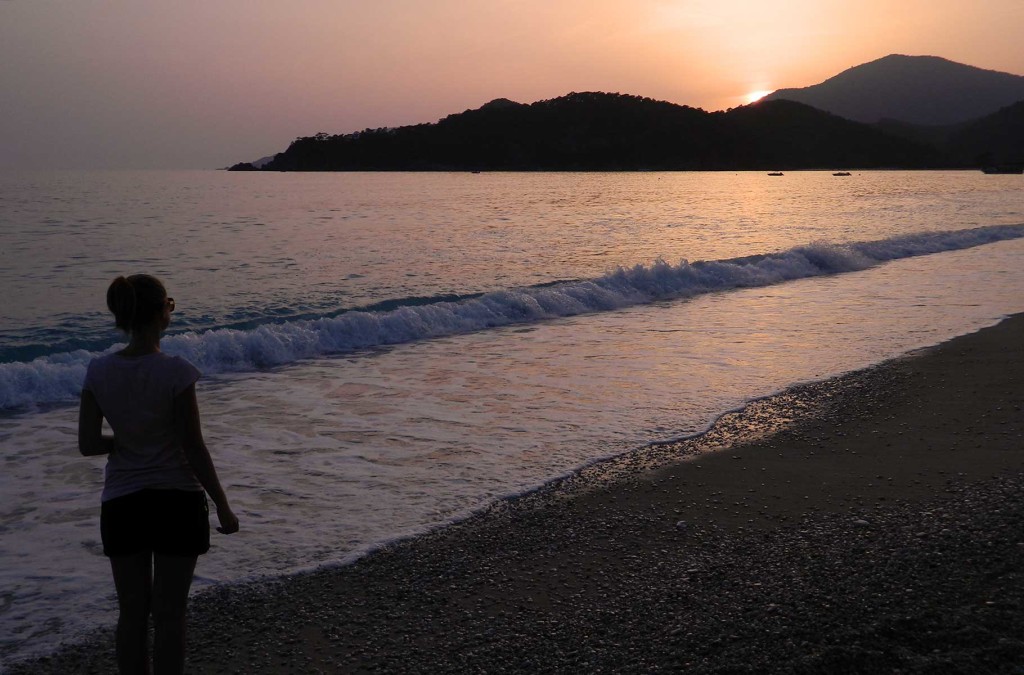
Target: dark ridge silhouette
<point x="251" y="166"/>
<point x="596" y="131"/>
<point x="787" y="134"/>
<point x="924" y="90"/>
<point x="996" y="140"/>
<point x="500" y="104"/>
<point x="991" y="141"/>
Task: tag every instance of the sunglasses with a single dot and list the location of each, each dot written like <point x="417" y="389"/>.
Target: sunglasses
<point x="169" y="303"/>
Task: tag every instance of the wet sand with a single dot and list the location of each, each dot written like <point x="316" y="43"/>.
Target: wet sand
<point x="873" y="523"/>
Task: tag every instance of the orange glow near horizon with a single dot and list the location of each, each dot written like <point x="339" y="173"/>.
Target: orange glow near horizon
<point x="755" y="96"/>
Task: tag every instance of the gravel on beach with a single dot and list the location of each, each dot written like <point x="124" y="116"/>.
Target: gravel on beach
<point x="872" y="523"/>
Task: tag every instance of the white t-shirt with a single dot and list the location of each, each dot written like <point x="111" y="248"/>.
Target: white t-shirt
<point x="136" y="395"/>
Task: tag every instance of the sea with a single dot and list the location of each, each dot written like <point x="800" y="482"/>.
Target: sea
<point x="386" y="353"/>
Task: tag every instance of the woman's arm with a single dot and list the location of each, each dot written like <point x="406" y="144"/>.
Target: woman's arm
<point x="91" y="441"/>
<point x="186" y="415"/>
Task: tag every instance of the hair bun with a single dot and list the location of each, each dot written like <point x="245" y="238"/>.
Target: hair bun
<point x="121" y="301"/>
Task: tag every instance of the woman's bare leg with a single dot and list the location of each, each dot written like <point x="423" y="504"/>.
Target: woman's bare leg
<point x="172" y="578"/>
<point x="133" y="579"/>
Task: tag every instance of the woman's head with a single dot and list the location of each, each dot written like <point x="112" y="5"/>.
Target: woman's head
<point x="137" y="301"/>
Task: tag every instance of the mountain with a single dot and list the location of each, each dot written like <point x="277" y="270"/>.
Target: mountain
<point x="252" y="166"/>
<point x="994" y="140"/>
<point x="787" y="134"/>
<point x="600" y="131"/>
<point x="925" y="90"/>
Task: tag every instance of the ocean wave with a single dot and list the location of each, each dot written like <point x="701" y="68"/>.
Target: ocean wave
<point x="57" y="378"/>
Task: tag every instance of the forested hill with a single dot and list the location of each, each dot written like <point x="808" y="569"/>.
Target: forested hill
<point x="599" y="131"/>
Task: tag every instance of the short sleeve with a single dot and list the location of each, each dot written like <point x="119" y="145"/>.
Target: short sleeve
<point x="90" y="377"/>
<point x="184" y="375"/>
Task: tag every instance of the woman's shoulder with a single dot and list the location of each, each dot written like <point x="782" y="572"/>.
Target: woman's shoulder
<point x="180" y="371"/>
<point x="176" y="370"/>
<point x="179" y="361"/>
<point x="103" y="361"/>
<point x="153" y="359"/>
<point x="103" y="368"/>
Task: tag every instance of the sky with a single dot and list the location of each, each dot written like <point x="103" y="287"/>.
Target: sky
<point x="202" y="84"/>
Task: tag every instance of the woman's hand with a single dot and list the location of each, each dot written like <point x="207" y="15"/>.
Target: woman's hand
<point x="228" y="520"/>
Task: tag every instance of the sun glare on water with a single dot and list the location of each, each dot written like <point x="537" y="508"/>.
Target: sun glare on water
<point x="756" y="95"/>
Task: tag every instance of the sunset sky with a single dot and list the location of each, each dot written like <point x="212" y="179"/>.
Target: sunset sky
<point x="203" y="84"/>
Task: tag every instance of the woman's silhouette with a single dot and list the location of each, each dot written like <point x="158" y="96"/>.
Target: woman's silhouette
<point x="154" y="518"/>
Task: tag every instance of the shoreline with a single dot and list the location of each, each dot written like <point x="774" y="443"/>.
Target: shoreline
<point x="870" y="522"/>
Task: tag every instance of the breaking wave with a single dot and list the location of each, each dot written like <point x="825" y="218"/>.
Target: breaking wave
<point x="58" y="377"/>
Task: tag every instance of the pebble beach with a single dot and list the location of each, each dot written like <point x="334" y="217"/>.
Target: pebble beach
<point x="871" y="523"/>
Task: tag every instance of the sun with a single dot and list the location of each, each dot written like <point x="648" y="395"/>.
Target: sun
<point x="756" y="95"/>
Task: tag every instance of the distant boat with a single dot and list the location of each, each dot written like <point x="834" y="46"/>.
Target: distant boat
<point x="1003" y="169"/>
<point x="775" y="173"/>
<point x="842" y="173"/>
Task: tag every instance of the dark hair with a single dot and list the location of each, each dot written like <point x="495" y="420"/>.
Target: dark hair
<point x="135" y="301"/>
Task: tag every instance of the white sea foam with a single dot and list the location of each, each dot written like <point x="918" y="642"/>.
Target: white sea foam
<point x="58" y="377"/>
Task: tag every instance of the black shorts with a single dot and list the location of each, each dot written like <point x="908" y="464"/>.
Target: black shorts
<point x="171" y="522"/>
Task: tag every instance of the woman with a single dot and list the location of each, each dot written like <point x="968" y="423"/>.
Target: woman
<point x="154" y="516"/>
